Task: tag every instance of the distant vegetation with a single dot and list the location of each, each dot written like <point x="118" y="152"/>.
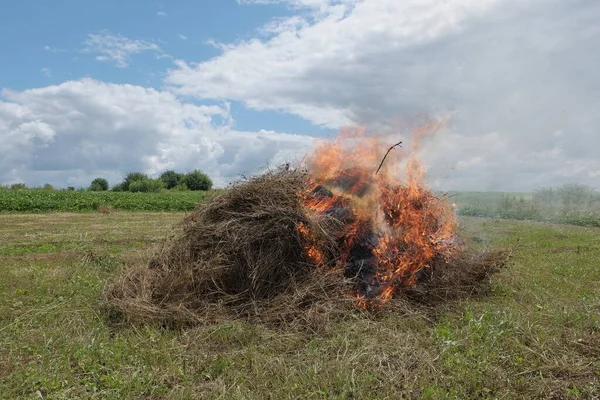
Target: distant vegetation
<point x="171" y="191"/>
<point x="139" y="182"/>
<point x="99" y="185"/>
<point x="169" y="180"/>
<point x="571" y="204"/>
<point x="39" y="200"/>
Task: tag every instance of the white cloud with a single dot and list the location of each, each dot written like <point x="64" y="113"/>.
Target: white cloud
<point x="322" y="6"/>
<point x="54" y="49"/>
<point x="182" y="36"/>
<point x="70" y="133"/>
<point x="118" y="48"/>
<point x="162" y="14"/>
<point x="310" y="70"/>
<point x="46" y="72"/>
<point x="523" y="70"/>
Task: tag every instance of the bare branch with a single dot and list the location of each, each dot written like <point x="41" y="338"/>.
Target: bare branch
<point x="386" y="154"/>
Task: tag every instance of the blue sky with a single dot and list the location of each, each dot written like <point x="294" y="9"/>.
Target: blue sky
<point x="51" y="38"/>
<point x="64" y="25"/>
<point x="233" y="86"/>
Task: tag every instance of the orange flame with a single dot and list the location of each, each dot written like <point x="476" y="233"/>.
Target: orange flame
<point x="403" y="224"/>
<point x="314" y="254"/>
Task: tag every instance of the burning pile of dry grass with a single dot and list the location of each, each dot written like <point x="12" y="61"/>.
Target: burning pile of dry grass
<point x="242" y="255"/>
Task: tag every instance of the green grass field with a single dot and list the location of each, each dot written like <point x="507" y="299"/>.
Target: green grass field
<point x="536" y="335"/>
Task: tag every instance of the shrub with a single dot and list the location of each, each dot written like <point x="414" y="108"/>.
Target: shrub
<point x="146" y="185"/>
<point x="132" y="177"/>
<point x="181" y="187"/>
<point x="119" y="187"/>
<point x="576" y="194"/>
<point x="170" y="179"/>
<point x="545" y="195"/>
<point x="99" y="185"/>
<point x="197" y="180"/>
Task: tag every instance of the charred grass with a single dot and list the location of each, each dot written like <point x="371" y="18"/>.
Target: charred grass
<point x="533" y="334"/>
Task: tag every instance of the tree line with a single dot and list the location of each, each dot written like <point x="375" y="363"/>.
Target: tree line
<point x="141" y="182"/>
<point x="170" y="180"/>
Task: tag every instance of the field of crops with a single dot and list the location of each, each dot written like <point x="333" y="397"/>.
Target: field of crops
<point x="38" y="200"/>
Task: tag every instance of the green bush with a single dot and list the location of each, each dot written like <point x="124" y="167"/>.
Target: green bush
<point x="170" y="179"/>
<point x="132" y="177"/>
<point x="18" y="186"/>
<point x="181" y="187"/>
<point x="119" y="187"/>
<point x="146" y="186"/>
<point x="197" y="180"/>
<point x="99" y="185"/>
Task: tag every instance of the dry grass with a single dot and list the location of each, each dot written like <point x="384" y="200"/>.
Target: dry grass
<point x="467" y="274"/>
<point x="105" y="209"/>
<point x="241" y="256"/>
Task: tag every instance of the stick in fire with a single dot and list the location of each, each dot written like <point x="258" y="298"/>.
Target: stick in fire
<point x="386" y="154"/>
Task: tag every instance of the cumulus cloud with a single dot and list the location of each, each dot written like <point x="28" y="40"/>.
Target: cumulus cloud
<point x="510" y="74"/>
<point x="70" y="133"/>
<point x="118" y="48"/>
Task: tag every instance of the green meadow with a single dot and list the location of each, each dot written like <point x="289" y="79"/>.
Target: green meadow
<point x="536" y="334"/>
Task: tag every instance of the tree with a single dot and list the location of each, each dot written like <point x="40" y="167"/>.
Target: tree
<point x="170" y="179"/>
<point x="99" y="185"/>
<point x="576" y="194"/>
<point x="132" y="177"/>
<point x="18" y="186"/>
<point x="146" y="185"/>
<point x="118" y="187"/>
<point x="197" y="180"/>
<point x="545" y="195"/>
<point x="48" y="186"/>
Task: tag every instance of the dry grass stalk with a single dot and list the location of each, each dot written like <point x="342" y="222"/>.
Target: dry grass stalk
<point x="105" y="209"/>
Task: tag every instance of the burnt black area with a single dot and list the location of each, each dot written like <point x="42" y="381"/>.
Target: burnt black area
<point x="321" y="192"/>
<point x="361" y="264"/>
<point x="352" y="180"/>
<point x="339" y="209"/>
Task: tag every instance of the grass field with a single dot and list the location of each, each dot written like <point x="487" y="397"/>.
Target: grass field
<point x="536" y="335"/>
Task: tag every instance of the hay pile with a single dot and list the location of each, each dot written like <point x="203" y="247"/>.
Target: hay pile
<point x="241" y="255"/>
